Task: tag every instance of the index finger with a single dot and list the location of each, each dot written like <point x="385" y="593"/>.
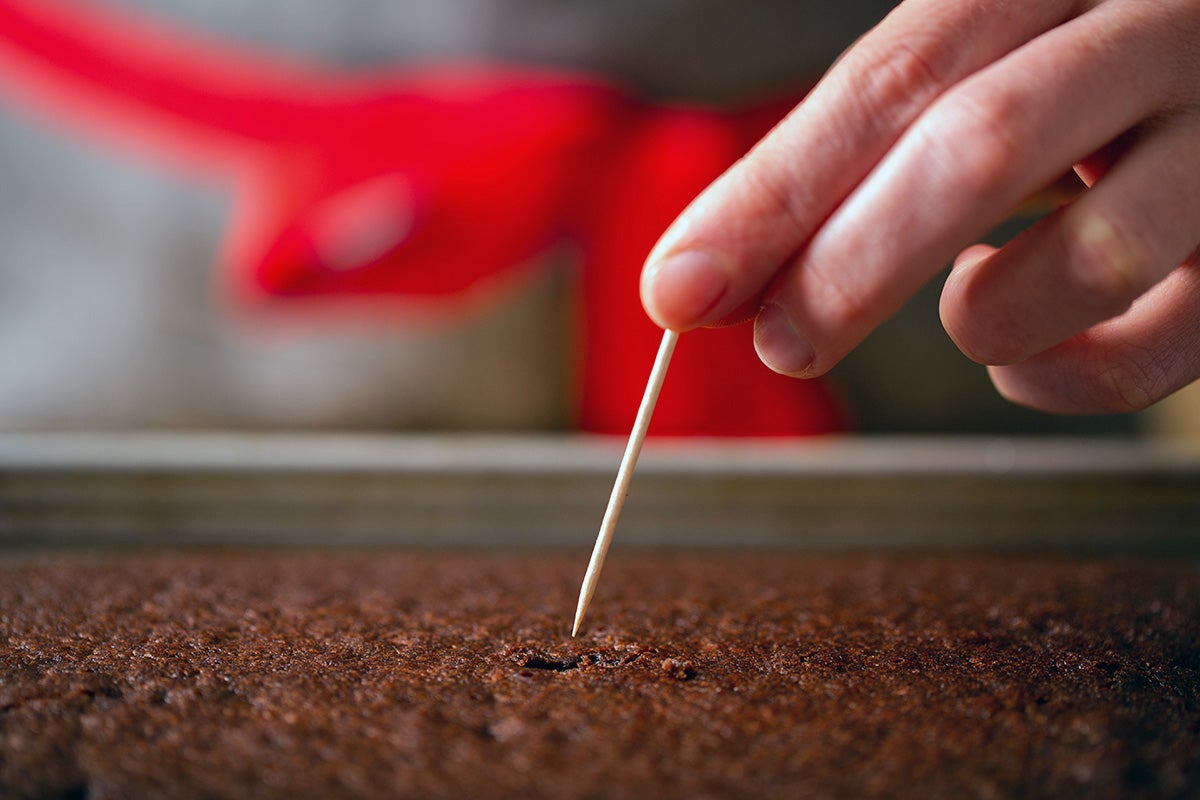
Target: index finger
<point x="713" y="264"/>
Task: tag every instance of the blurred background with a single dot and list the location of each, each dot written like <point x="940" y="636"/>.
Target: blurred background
<point x="112" y="315"/>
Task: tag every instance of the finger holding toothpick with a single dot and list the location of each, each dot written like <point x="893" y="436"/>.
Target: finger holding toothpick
<point x="625" y="474"/>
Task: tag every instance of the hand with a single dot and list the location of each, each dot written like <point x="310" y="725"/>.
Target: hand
<point x="925" y="134"/>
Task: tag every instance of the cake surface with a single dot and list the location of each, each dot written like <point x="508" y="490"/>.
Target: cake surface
<point x="285" y="675"/>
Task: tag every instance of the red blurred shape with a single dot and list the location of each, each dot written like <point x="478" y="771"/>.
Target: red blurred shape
<point x="433" y="183"/>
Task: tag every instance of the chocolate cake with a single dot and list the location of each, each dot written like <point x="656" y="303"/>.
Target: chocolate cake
<point x="283" y="675"/>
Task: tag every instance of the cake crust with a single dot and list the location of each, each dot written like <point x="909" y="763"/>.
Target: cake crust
<point x="283" y="675"/>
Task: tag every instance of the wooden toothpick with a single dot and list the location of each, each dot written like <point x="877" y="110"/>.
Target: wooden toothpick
<point x="624" y="475"/>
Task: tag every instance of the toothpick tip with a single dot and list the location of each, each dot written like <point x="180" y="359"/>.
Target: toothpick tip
<point x="580" y="610"/>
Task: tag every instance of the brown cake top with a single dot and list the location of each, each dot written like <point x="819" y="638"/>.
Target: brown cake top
<point x="703" y="675"/>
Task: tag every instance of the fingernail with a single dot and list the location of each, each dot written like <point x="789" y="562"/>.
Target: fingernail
<point x="778" y="343"/>
<point x="682" y="289"/>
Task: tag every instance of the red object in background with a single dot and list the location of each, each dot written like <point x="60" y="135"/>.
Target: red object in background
<point x="437" y="184"/>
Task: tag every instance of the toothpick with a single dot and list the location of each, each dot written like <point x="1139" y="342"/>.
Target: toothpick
<point x="624" y="475"/>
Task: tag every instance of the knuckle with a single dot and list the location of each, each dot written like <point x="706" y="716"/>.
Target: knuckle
<point x="979" y="139"/>
<point x="1129" y="380"/>
<point x="844" y="306"/>
<point x="892" y="78"/>
<point x="780" y="202"/>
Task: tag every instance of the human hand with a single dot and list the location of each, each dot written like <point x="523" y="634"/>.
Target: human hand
<point x="930" y="130"/>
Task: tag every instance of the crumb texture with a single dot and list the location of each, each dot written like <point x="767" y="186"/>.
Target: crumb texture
<point x="283" y="675"/>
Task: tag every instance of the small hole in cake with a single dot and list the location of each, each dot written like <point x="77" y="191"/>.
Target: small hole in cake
<point x="679" y="670"/>
<point x="529" y="658"/>
<point x="536" y="661"/>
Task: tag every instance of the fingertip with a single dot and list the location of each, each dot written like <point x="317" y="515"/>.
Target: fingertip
<point x="957" y="282"/>
<point x="964" y="314"/>
<point x="1039" y="388"/>
<point x="681" y="290"/>
<point x="971" y="256"/>
<point x="780" y="346"/>
<point x="1007" y="383"/>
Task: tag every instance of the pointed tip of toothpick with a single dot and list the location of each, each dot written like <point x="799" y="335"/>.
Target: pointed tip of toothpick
<point x="585" y="595"/>
<point x="579" y="612"/>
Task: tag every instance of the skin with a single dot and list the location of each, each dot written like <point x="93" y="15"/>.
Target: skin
<point x="923" y="136"/>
